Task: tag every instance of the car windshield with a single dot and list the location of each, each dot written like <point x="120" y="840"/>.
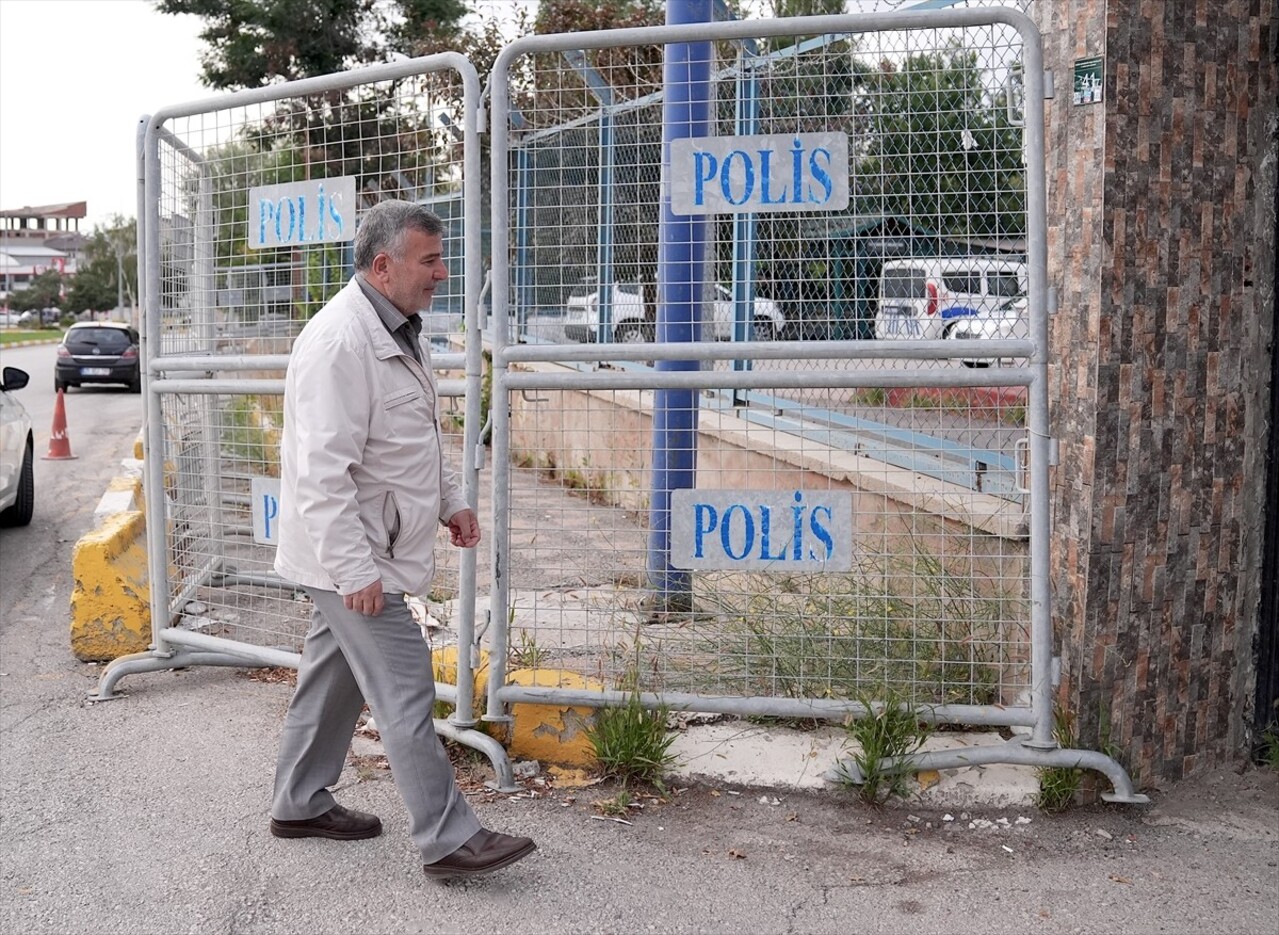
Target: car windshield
<point x="904" y="284"/>
<point x="105" y="338"/>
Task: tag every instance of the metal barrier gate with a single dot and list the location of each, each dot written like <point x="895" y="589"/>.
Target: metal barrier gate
<point x="686" y="507"/>
<point x="247" y="210"/>
<point x="763" y="443"/>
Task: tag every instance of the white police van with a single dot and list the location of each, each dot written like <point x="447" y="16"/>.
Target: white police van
<point x="925" y="298"/>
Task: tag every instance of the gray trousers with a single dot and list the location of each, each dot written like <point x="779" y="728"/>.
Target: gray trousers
<point x="348" y="658"/>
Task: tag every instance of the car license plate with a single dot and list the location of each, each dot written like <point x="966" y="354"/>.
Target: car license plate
<point x="95" y="371"/>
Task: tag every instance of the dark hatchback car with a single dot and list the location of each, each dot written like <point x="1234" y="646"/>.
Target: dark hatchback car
<point x="98" y="352"/>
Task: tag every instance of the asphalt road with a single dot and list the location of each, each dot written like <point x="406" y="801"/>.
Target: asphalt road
<point x="102" y="423"/>
<point x="149" y="814"/>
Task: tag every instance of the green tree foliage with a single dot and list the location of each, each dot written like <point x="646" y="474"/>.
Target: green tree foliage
<point x="257" y="42"/>
<point x="45" y="291"/>
<point x="939" y="148"/>
<point x="786" y="8"/>
<point x="96" y="284"/>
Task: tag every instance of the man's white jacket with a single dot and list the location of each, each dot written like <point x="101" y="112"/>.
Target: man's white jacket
<point x="363" y="483"/>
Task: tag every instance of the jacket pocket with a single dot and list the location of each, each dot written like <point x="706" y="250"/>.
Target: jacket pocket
<point x="390" y="522"/>
<point x="400" y="397"/>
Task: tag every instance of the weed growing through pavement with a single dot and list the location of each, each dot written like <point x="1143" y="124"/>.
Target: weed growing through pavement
<point x="528" y="655"/>
<point x="1270" y="749"/>
<point x="618" y="805"/>
<point x="891" y="727"/>
<point x="632" y="743"/>
<point x="1058" y="785"/>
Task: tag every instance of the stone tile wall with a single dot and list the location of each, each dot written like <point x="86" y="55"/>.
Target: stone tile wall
<point x="1162" y="250"/>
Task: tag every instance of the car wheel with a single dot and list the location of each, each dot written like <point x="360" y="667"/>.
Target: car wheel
<point x="633" y="332"/>
<point x="20" y="513"/>
<point x="58" y="385"/>
<point x="135" y="385"/>
<point x="765" y="330"/>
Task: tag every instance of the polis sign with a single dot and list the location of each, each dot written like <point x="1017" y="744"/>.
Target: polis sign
<point x="755" y="174"/>
<point x="298" y="213"/>
<point x="765" y="530"/>
<point x="264" y="496"/>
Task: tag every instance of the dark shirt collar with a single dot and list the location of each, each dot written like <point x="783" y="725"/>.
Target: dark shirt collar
<point x="391" y="316"/>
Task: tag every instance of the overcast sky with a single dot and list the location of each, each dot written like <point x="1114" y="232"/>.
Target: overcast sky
<point x="75" y="76"/>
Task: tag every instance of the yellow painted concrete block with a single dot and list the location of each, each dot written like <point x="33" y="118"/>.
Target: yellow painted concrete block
<point x="552" y="733"/>
<point x="110" y="600"/>
<point x="444" y="665"/>
<point x="138" y="447"/>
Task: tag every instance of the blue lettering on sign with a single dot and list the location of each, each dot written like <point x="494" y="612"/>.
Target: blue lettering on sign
<point x="748" y="530"/>
<point x="287" y="218"/>
<point x="773" y="172"/>
<point x="705" y="519"/>
<point x="748" y="178"/>
<point x="742" y="537"/>
<point x="302" y="212"/>
<point x="810" y="178"/>
<point x="821" y="173"/>
<point x="270" y="510"/>
<point x="763" y="529"/>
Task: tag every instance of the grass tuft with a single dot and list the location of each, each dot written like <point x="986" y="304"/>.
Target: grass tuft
<point x="892" y="727"/>
<point x="631" y="742"/>
<point x="1058" y="785"/>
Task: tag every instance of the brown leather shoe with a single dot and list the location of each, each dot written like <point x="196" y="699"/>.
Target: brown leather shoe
<point x="341" y="824"/>
<point x="485" y="852"/>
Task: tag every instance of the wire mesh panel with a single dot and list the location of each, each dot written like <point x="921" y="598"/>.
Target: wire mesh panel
<point x="252" y="204"/>
<point x="931" y="243"/>
<point x="859" y="372"/>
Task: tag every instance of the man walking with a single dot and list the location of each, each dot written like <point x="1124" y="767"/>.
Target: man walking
<point x="364" y="484"/>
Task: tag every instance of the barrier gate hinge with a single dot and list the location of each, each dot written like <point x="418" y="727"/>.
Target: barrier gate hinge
<point x="1052" y="300"/>
<point x="479" y="456"/>
<point x="1049" y="90"/>
<point x="1053" y="452"/>
<point x="481" y="120"/>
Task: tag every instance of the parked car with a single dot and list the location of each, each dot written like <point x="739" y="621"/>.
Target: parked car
<point x="17" y="453"/>
<point x="925" y="298"/>
<point x="34" y="318"/>
<point x="98" y="352"/>
<point x="9" y="318"/>
<point x="634" y="318"/>
<point x="1008" y="322"/>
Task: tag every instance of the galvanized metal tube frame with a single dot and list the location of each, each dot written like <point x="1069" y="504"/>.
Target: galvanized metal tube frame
<point x="171" y="647"/>
<point x="1040" y="748"/>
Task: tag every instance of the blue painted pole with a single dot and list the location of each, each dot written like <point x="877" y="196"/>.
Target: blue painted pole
<point x="680" y="261"/>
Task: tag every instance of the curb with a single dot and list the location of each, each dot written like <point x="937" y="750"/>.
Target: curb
<point x="110" y="596"/>
<point x="32" y="343"/>
<point x="110" y="599"/>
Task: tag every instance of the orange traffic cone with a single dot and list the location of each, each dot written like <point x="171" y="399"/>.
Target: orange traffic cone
<point x="59" y="444"/>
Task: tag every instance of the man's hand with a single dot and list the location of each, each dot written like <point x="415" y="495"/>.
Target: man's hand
<point x="367" y="601"/>
<point x="464" y="529"/>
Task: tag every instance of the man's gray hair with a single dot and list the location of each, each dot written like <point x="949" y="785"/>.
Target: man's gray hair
<point x="383" y="228"/>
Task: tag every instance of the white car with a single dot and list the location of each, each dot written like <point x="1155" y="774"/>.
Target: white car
<point x="633" y="323"/>
<point x="1008" y="322"/>
<point x="17" y="452"/>
<point x="925" y="298"/>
